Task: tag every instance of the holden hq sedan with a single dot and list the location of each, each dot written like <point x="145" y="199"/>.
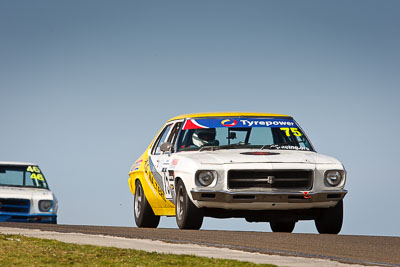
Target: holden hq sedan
<point x="256" y="166"/>
<point x="25" y="195"/>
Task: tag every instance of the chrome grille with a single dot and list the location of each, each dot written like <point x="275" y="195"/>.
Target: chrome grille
<point x="276" y="179"/>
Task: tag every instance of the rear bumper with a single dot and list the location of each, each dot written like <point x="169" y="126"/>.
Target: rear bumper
<point x="267" y="200"/>
<point x="34" y="218"/>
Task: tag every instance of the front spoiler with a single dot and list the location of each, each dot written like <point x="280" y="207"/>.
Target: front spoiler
<point x="268" y="197"/>
<point x="34" y="218"/>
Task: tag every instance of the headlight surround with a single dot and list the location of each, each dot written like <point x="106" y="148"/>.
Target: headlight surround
<point x="206" y="177"/>
<point x="334" y="177"/>
<point x="46" y="205"/>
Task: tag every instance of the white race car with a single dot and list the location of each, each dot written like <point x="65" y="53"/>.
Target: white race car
<point x="25" y="195"/>
<point x="256" y="166"/>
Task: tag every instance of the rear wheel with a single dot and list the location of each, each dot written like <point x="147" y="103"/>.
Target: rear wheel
<point x="144" y="215"/>
<point x="283" y="227"/>
<point x="188" y="216"/>
<point x="330" y="220"/>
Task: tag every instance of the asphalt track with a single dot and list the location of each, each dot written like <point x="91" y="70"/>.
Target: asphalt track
<point x="366" y="250"/>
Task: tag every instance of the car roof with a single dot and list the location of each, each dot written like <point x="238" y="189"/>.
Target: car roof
<point x="12" y="163"/>
<point x="228" y="114"/>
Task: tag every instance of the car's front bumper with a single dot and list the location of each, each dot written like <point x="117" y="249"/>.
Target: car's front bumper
<point x="266" y="200"/>
<point x="35" y="218"/>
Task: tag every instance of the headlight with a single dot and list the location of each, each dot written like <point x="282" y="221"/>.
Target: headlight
<point x="333" y="178"/>
<point x="45" y="205"/>
<point x="205" y="178"/>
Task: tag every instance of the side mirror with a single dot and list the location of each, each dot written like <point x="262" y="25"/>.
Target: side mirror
<point x="166" y="147"/>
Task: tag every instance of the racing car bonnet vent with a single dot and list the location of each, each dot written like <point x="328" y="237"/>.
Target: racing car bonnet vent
<point x="277" y="179"/>
<point x="260" y="153"/>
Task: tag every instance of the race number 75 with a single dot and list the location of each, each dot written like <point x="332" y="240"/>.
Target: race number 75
<point x="294" y="131"/>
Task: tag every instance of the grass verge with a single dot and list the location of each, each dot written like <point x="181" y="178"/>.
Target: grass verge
<point x="17" y="250"/>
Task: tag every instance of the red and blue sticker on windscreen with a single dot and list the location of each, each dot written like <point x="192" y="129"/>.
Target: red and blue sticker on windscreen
<point x="237" y="123"/>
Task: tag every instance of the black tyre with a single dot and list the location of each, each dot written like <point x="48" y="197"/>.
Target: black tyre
<point x="144" y="215"/>
<point x="283" y="227"/>
<point x="188" y="216"/>
<point x="330" y="220"/>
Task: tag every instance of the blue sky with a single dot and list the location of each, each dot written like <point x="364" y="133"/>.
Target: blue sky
<point x="85" y="86"/>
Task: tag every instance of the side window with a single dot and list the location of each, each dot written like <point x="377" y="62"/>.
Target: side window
<point x="174" y="133"/>
<point x="185" y="139"/>
<point x="161" y="139"/>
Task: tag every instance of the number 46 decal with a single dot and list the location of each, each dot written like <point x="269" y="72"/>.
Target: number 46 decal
<point x="295" y="131"/>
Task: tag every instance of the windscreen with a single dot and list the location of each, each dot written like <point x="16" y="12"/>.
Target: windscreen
<point x="22" y="176"/>
<point x="232" y="133"/>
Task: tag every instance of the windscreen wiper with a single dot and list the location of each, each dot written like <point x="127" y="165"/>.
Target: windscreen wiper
<point x="212" y="148"/>
<point x="276" y="146"/>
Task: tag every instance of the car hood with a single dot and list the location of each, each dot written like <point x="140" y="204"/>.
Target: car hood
<point x="21" y="192"/>
<point x="232" y="156"/>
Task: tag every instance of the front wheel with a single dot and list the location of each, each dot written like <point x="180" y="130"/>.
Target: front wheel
<point x="330" y="220"/>
<point x="144" y="215"/>
<point x="283" y="227"/>
<point x="188" y="216"/>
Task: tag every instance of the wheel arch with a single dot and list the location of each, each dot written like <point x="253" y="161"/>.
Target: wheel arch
<point x="132" y="184"/>
<point x="187" y="188"/>
<point x="176" y="180"/>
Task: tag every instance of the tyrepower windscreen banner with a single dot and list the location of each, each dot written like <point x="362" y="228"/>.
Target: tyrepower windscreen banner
<point x="237" y="123"/>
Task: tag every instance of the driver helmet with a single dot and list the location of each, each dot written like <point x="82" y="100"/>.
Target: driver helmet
<point x="204" y="136"/>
